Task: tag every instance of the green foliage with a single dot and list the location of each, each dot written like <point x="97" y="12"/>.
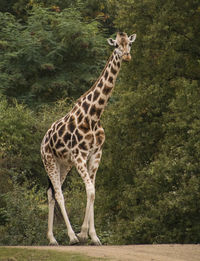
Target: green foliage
<point x="25" y="219"/>
<point x="156" y="183"/>
<point x="52" y="55"/>
<point x="148" y="184"/>
<point x="22" y="131"/>
<point x="151" y="157"/>
<point x="19" y="140"/>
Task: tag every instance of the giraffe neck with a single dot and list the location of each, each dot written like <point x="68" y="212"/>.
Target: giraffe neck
<point x="95" y="99"/>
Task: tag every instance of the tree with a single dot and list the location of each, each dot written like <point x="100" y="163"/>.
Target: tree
<point x="151" y="161"/>
<point x="53" y="55"/>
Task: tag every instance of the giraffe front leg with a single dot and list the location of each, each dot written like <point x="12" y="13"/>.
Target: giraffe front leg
<point x="92" y="232"/>
<point x="93" y="167"/>
<point x="90" y="192"/>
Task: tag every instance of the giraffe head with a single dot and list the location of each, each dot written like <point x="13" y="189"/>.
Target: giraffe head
<point x="123" y="44"/>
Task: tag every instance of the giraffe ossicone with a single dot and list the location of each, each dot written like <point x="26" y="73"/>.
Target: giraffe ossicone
<point x="76" y="140"/>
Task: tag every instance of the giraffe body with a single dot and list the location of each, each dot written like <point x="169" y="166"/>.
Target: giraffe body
<point x="76" y="140"/>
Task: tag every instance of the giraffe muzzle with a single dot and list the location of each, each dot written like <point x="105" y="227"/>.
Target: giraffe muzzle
<point x="127" y="57"/>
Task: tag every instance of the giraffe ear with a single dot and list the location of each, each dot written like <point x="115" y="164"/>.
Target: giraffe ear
<point x="132" y="38"/>
<point x="111" y="42"/>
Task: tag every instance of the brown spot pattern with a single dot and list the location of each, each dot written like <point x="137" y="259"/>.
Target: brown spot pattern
<point x="113" y="71"/>
<point x="107" y="90"/>
<point x="61" y="130"/>
<point x="100" y="84"/>
<point x="67" y="137"/>
<point x="89" y="97"/>
<point x="85" y="125"/>
<point x="78" y="135"/>
<point x="83" y="146"/>
<point x="110" y="79"/>
<point x="72" y="125"/>
<point x="96" y="95"/>
<point x="101" y="101"/>
<point x="85" y="106"/>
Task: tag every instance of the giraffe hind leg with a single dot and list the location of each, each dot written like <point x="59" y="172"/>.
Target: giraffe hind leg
<point x="50" y="186"/>
<point x="53" y="170"/>
<point x="51" y="202"/>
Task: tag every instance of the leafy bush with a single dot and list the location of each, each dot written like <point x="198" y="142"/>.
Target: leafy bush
<point x="20" y="142"/>
<point x="26" y="220"/>
<point x="155" y="185"/>
<point x="22" y="131"/>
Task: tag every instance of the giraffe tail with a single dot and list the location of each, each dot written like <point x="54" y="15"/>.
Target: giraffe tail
<point x="50" y="186"/>
<point x="57" y="209"/>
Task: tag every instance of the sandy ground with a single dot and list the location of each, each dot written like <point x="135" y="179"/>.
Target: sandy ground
<point x="136" y="252"/>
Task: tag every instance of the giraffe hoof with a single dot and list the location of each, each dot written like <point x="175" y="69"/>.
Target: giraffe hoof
<point x="96" y="242"/>
<point x="54" y="243"/>
<point x="82" y="238"/>
<point x="74" y="241"/>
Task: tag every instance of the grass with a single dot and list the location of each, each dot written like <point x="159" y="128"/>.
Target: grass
<point x="18" y="254"/>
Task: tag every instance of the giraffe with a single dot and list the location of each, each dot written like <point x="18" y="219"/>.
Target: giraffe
<point x="76" y="140"/>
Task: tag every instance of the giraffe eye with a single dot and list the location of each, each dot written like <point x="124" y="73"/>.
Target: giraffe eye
<point x="116" y="45"/>
<point x="130" y="44"/>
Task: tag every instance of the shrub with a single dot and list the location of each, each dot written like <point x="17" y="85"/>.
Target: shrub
<point x="25" y="218"/>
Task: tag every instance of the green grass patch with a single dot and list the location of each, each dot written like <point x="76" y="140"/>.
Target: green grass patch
<point x="18" y="254"/>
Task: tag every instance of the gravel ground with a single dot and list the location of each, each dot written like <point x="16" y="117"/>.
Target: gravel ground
<point x="135" y="252"/>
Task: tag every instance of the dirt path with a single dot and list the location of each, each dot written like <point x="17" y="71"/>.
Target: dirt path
<point x="136" y="252"/>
